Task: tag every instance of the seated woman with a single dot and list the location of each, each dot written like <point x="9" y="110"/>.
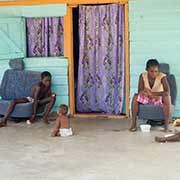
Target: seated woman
<point x="153" y="89"/>
<point x="41" y="95"/>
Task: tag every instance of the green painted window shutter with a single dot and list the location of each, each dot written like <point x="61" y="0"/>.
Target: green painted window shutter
<point x="12" y="38"/>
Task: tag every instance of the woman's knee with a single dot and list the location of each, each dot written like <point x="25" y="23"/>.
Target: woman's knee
<point x="134" y="100"/>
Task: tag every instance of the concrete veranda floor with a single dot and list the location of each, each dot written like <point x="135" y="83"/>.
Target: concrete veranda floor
<point x="99" y="150"/>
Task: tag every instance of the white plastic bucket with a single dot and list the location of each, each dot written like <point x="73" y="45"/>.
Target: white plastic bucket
<point x="145" y="127"/>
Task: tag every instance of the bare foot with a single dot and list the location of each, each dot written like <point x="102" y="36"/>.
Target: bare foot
<point x="54" y="134"/>
<point x="32" y="119"/>
<point x="3" y="124"/>
<point x="160" y="139"/>
<point x="45" y="120"/>
<point x="133" y="129"/>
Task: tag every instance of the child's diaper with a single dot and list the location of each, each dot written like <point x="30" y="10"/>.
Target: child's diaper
<point x="65" y="132"/>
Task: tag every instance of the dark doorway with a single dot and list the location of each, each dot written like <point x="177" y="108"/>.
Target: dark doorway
<point x="76" y="47"/>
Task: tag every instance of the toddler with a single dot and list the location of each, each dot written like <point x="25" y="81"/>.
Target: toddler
<point x="62" y="125"/>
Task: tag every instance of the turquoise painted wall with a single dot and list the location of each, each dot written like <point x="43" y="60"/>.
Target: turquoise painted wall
<point x="58" y="67"/>
<point x="12" y="38"/>
<point x="154" y="33"/>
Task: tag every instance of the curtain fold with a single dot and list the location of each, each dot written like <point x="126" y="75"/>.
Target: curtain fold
<point x="45" y="37"/>
<point x="101" y="70"/>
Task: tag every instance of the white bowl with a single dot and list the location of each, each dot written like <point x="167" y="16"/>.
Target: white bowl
<point x="145" y="127"/>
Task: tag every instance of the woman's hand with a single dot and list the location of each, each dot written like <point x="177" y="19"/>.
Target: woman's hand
<point x="146" y="92"/>
<point x="149" y="93"/>
<point x="156" y="97"/>
<point x="143" y="93"/>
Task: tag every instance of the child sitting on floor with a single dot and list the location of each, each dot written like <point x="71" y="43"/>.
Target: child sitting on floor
<point x="62" y="125"/>
<point x="172" y="138"/>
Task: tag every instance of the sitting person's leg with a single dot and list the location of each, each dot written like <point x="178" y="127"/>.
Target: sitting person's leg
<point x="134" y="112"/>
<point x="50" y="101"/>
<point x="173" y="138"/>
<point x="167" y="109"/>
<point x="11" y="109"/>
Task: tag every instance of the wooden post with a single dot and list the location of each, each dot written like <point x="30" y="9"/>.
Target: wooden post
<point x="68" y="52"/>
<point x="43" y="2"/>
<point x="127" y="65"/>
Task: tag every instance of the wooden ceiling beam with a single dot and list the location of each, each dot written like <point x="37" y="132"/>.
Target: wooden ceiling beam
<point x="69" y="2"/>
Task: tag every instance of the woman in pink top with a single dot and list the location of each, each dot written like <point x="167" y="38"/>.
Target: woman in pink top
<point x="153" y="89"/>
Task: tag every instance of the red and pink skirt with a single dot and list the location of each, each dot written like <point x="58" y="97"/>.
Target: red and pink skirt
<point x="145" y="100"/>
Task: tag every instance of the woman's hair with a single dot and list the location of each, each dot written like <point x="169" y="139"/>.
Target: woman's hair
<point x="45" y="74"/>
<point x="151" y="63"/>
<point x="64" y="108"/>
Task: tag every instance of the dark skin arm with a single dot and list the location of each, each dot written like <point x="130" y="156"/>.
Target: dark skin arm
<point x="141" y="84"/>
<point x="141" y="90"/>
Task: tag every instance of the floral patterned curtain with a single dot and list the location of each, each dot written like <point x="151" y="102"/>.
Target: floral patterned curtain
<point x="45" y="36"/>
<point x="101" y="63"/>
